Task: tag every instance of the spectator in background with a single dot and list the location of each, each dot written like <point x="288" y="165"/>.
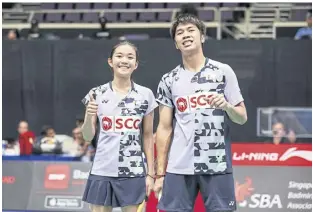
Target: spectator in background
<point x="10" y="147"/>
<point x="34" y="30"/>
<point x="84" y="150"/>
<point x="104" y="33"/>
<point x="26" y="138"/>
<point x="48" y="144"/>
<point x="305" y="32"/>
<point x="291" y="121"/>
<point x="80" y="144"/>
<point x="281" y="135"/>
<point x="13" y="34"/>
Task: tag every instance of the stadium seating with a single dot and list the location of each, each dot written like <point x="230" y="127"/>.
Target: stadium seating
<point x="299" y="15"/>
<point x="206" y="11"/>
<point x="92" y="17"/>
<point x="100" y="5"/>
<point x="81" y="6"/>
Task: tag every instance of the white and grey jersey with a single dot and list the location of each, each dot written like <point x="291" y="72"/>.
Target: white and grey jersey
<point x="119" y="146"/>
<point x="200" y="141"/>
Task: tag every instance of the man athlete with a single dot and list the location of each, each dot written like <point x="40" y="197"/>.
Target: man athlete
<point x="196" y="99"/>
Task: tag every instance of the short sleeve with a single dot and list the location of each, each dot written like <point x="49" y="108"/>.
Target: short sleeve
<point x="152" y="104"/>
<point x="232" y="91"/>
<point x="164" y="94"/>
<point x="86" y="99"/>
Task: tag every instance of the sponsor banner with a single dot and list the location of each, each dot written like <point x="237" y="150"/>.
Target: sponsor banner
<point x="272" y="155"/>
<point x="59" y="186"/>
<point x="274" y="189"/>
<point x="16" y="184"/>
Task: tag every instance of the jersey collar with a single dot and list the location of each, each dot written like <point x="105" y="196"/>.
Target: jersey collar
<point x="203" y="68"/>
<point x="132" y="86"/>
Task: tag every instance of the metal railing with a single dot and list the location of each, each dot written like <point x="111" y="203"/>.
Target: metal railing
<point x="217" y="11"/>
<point x="217" y="23"/>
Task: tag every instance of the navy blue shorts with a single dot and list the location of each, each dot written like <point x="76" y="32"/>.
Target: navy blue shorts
<point x="180" y="191"/>
<point x="114" y="191"/>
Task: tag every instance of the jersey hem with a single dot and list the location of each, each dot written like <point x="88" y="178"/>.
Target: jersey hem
<point x="104" y="174"/>
<point x="173" y="171"/>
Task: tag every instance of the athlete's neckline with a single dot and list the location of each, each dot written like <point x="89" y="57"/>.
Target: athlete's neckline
<point x="132" y="86"/>
<point x="202" y="69"/>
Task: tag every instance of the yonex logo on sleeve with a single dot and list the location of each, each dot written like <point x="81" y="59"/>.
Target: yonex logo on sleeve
<point x="120" y="123"/>
<point x="193" y="102"/>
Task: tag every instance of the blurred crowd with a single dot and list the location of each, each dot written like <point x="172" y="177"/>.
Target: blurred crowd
<point x="48" y="143"/>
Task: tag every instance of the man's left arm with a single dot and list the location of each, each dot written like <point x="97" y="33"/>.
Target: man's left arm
<point x="235" y="107"/>
<point x="232" y="101"/>
<point x="237" y="113"/>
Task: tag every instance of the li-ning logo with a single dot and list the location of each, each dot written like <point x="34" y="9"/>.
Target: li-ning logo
<point x="293" y="152"/>
<point x="121" y="123"/>
<point x="193" y="102"/>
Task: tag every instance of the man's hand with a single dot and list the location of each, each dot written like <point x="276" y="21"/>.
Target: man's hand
<point x="218" y="101"/>
<point x="237" y="114"/>
<point x="158" y="185"/>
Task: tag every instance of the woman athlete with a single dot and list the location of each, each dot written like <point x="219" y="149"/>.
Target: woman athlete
<point x="125" y="112"/>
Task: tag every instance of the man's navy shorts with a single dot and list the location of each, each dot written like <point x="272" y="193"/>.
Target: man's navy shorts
<point x="180" y="191"/>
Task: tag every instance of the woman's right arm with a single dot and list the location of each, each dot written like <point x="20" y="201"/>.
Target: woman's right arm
<point x="89" y="126"/>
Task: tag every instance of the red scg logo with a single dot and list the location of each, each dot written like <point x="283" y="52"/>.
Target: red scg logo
<point x="199" y="101"/>
<point x="106" y="123"/>
<point x="181" y="104"/>
<point x="193" y="102"/>
<point x="121" y="123"/>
